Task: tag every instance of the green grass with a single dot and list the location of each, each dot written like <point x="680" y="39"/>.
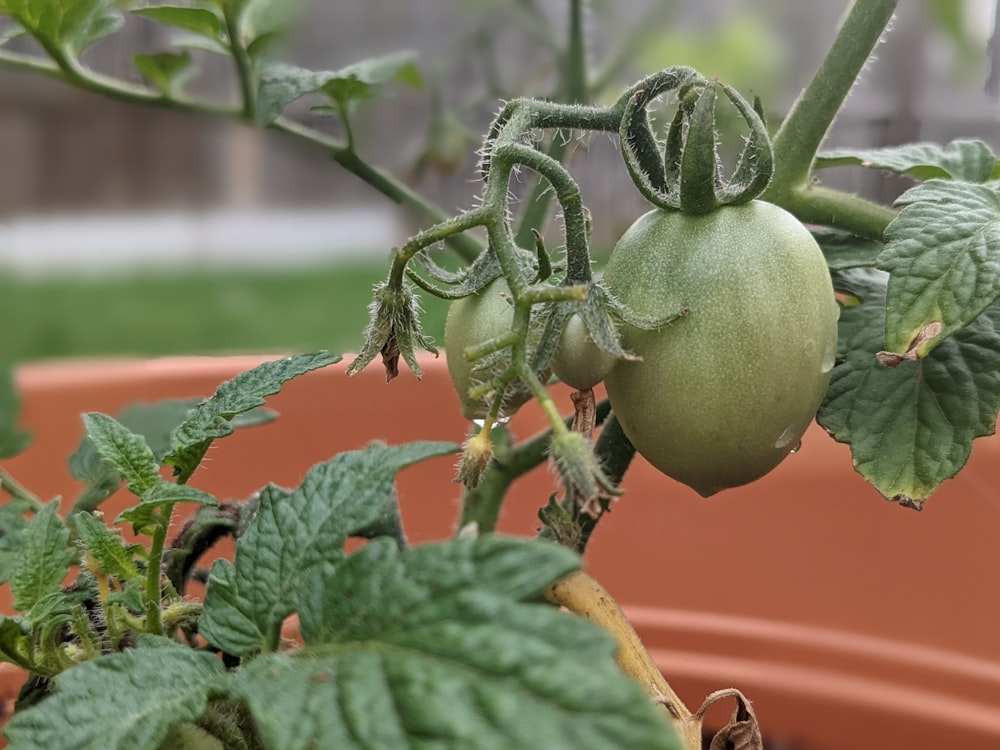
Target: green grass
<point x="205" y="313"/>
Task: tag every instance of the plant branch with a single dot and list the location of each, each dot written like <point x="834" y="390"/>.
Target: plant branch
<point x="816" y="204"/>
<point x="803" y="130"/>
<point x="574" y="92"/>
<point x="466" y="247"/>
<point x="581" y="594"/>
<point x="19" y="491"/>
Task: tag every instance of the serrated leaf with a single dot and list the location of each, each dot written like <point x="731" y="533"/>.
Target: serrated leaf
<point x="12" y="439"/>
<point x="281" y="84"/>
<point x="363" y="79"/>
<point x="13" y="524"/>
<point x="203" y="21"/>
<point x="129" y="454"/>
<point x="106" y="547"/>
<point x="943" y="255"/>
<point x="43" y="560"/>
<point x="154" y="422"/>
<point x="844" y="250"/>
<point x="442" y="646"/>
<point x="70" y="25"/>
<point x="968" y="160"/>
<point x="167" y="493"/>
<point x="293" y="532"/>
<point x="121" y="701"/>
<point x="212" y="419"/>
<point x="168" y="71"/>
<point x="910" y="427"/>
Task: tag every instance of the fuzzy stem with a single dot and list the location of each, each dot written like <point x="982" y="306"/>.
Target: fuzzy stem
<point x="154" y="588"/>
<point x="574" y="92"/>
<point x="614" y="452"/>
<point x="803" y="130"/>
<point x="65" y="70"/>
<point x="17" y="490"/>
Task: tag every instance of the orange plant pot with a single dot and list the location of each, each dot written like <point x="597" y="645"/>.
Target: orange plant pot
<point x="850" y="622"/>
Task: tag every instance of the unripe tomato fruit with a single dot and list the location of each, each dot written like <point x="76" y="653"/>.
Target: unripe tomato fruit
<point x="725" y="392"/>
<point x="474" y="320"/>
<point x="578" y="361"/>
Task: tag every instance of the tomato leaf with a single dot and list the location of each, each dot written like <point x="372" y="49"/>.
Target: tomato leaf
<point x="910" y="427"/>
<point x="844" y="250"/>
<point x="348" y="495"/>
<point x="67" y="25"/>
<point x="214" y="418"/>
<point x="281" y="84"/>
<point x="13" y="440"/>
<point x="446" y="645"/>
<point x="204" y="21"/>
<point x="130" y="699"/>
<point x="168" y="71"/>
<point x="968" y="160"/>
<point x="943" y="255"/>
<point x="43" y="559"/>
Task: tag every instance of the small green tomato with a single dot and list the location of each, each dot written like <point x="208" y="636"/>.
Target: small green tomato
<point x="578" y="361"/>
<point x="474" y="320"/>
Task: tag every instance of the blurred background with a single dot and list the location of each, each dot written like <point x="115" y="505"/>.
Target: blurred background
<point x="134" y="231"/>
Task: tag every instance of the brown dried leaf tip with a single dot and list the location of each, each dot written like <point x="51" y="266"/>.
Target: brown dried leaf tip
<point x="393" y="331"/>
<point x="927" y="332"/>
<point x="742" y="732"/>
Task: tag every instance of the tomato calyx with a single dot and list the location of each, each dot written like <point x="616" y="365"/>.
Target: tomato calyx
<point x="688" y="177"/>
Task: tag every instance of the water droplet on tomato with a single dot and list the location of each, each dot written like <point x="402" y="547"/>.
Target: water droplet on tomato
<point x="829" y="358"/>
<point x="786" y="437"/>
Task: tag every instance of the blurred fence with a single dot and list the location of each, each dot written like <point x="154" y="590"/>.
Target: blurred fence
<point x="64" y="150"/>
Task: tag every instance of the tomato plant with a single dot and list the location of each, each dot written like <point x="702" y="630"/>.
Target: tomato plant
<point x="719" y="397"/>
<point x="714" y="326"/>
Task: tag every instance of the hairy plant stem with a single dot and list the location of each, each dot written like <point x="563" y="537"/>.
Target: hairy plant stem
<point x="803" y="130"/>
<point x="244" y="65"/>
<point x="574" y="92"/>
<point x="18" y="491"/>
<point x="154" y="574"/>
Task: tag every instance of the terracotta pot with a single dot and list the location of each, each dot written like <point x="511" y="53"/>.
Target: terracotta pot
<point x="849" y="621"/>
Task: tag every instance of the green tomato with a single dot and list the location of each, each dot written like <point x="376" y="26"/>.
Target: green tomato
<point x="474" y="320"/>
<point x="725" y="392"/>
<point x="578" y="361"/>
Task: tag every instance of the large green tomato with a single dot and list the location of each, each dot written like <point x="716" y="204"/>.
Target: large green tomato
<point x="725" y="392"/>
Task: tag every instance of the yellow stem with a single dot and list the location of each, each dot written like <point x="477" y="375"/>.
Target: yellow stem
<point x="583" y="595"/>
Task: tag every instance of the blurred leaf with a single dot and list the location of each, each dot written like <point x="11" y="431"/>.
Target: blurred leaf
<point x="844" y="250"/>
<point x="67" y="25"/>
<point x="12" y="439"/>
<point x="13" y="524"/>
<point x="943" y="255"/>
<point x="203" y="21"/>
<point x="168" y="71"/>
<point x="281" y="84"/>
<point x="910" y="427"/>
<point x="968" y="160"/>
